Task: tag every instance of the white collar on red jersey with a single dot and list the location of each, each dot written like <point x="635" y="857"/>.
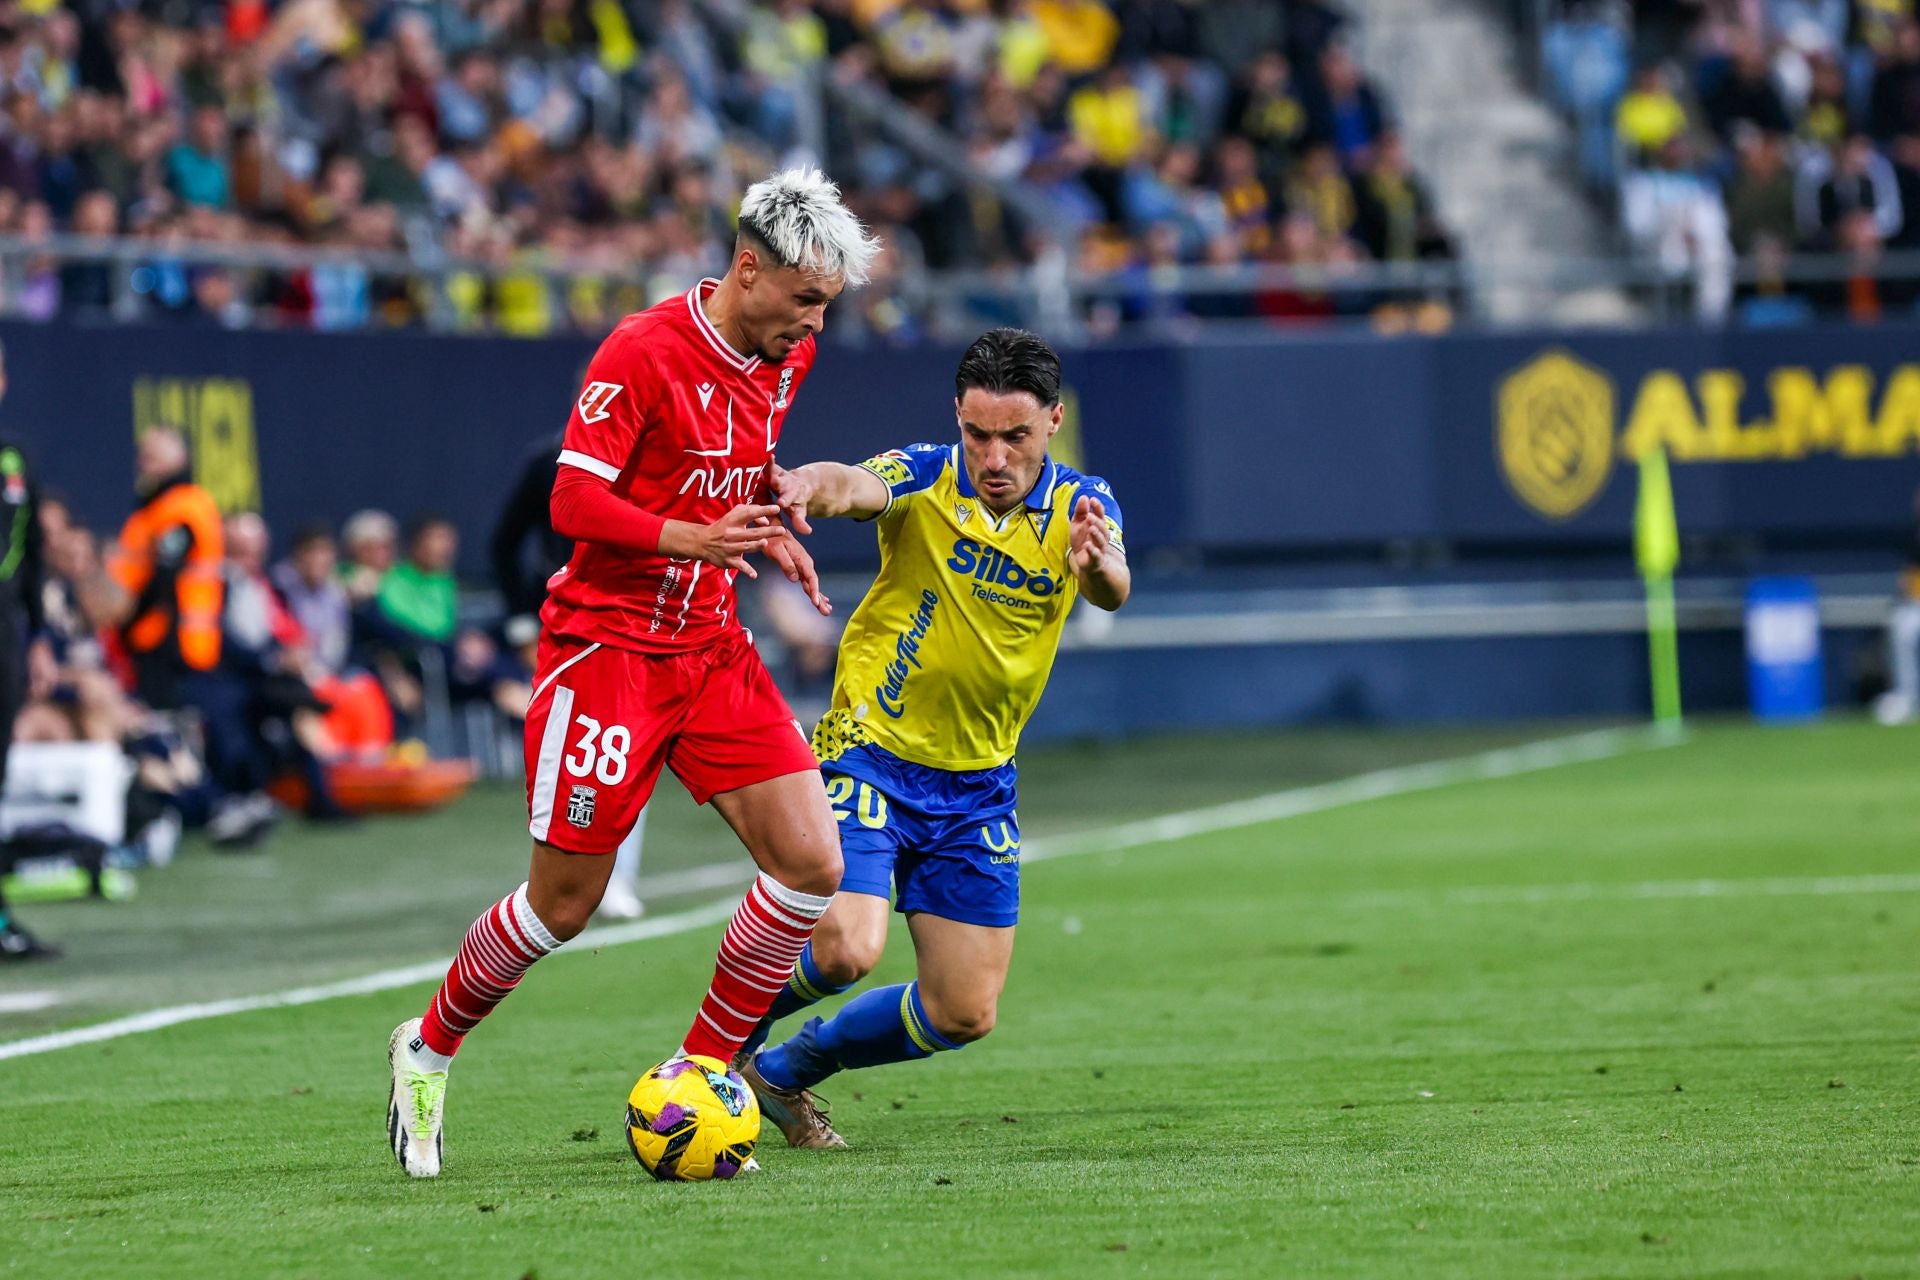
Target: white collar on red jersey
<point x="745" y="364"/>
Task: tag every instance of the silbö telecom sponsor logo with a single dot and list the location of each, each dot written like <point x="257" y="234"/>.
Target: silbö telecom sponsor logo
<point x="891" y="692"/>
<point x="991" y="568"/>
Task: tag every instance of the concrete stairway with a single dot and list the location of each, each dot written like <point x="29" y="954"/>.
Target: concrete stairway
<point x="1497" y="158"/>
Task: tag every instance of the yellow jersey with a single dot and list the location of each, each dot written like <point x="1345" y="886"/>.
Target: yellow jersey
<point x="946" y="657"/>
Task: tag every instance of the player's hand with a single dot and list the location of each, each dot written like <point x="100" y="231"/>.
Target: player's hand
<point x="1087" y="542"/>
<point x="727" y="541"/>
<point x="43" y="672"/>
<point x="785" y="550"/>
<point x="792" y="490"/>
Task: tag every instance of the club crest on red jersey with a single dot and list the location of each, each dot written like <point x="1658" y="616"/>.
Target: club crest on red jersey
<point x="786" y="385"/>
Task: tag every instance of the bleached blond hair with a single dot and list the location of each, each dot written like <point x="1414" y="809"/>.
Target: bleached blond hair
<point x="797" y="214"/>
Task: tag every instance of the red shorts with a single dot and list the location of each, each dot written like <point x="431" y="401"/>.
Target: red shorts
<point x="603" y="722"/>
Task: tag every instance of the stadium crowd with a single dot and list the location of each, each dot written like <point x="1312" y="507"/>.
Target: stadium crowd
<point x="1749" y="131"/>
<point x="587" y="155"/>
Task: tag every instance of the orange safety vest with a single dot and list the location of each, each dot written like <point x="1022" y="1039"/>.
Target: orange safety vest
<point x="168" y="559"/>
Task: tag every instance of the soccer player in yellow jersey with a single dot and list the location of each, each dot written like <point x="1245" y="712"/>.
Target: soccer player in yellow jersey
<point x="984" y="546"/>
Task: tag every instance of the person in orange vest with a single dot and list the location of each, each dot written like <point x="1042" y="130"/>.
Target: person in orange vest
<point x="163" y="593"/>
<point x="167" y="567"/>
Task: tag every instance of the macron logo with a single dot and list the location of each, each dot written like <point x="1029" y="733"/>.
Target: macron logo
<point x="595" y="399"/>
<point x="706" y="395"/>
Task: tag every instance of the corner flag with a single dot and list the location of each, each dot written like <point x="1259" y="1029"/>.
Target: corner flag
<point x="1656" y="549"/>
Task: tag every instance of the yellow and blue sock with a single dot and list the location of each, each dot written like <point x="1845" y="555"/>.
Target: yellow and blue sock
<point x="806" y="986"/>
<point x="889" y="1024"/>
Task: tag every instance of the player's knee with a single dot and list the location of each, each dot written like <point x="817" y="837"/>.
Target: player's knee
<point x="815" y="869"/>
<point x="567" y="917"/>
<point x="844" y="960"/>
<point x="964" y="1023"/>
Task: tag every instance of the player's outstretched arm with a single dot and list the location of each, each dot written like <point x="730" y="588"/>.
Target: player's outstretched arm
<point x="828" y="489"/>
<point x="585" y="509"/>
<point x="1098" y="565"/>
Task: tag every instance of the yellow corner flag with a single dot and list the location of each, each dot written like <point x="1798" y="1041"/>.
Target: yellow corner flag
<point x="1656" y="548"/>
<point x="1656" y="534"/>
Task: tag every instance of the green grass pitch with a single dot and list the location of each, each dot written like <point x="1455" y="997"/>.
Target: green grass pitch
<point x="1495" y="1028"/>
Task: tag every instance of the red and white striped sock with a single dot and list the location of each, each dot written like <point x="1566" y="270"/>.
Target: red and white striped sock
<point x="501" y="946"/>
<point x="757" y="955"/>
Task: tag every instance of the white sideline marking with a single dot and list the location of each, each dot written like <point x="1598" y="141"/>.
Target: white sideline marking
<point x="1776" y="887"/>
<point x="28" y="1001"/>
<point x="1402" y="780"/>
<point x="385" y="980"/>
<point x="1506" y="762"/>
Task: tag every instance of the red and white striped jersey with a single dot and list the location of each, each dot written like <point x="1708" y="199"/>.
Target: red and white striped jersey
<point x="682" y="425"/>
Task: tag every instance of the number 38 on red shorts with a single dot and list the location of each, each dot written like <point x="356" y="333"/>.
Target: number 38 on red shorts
<point x="604" y="721"/>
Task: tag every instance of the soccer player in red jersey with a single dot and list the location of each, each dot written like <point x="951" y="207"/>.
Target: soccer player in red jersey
<point x="643" y="663"/>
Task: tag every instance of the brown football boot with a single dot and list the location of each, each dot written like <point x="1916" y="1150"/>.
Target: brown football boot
<point x="800" y="1115"/>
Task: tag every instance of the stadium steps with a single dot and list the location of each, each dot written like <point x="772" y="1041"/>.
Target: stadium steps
<point x="1499" y="162"/>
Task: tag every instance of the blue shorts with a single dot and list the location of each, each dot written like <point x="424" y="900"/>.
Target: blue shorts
<point x="946" y="843"/>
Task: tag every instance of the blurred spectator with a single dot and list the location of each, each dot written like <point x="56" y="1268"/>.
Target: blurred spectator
<point x="1825" y="119"/>
<point x="1396" y="220"/>
<point x="1242" y="194"/>
<point x="1745" y="94"/>
<point x="1859" y="180"/>
<point x="199" y="169"/>
<point x="1760" y="199"/>
<point x="1080" y="34"/>
<point x="1894" y="105"/>
<point x="1767" y="300"/>
<point x="1109" y="122"/>
<point x="1676" y="218"/>
<point x="527" y="517"/>
<point x="1232" y="33"/>
<point x="1268" y="113"/>
<point x="309" y="583"/>
<point x="1319" y="189"/>
<point x="87" y="286"/>
<point x="1650" y="116"/>
<point x="1813" y="25"/>
<point x="266" y="656"/>
<point x="419" y="595"/>
<point x="372" y="543"/>
<point x="1345" y="112"/>
<point x="1906" y="176"/>
<point x="1865" y="295"/>
<point x="1902" y="702"/>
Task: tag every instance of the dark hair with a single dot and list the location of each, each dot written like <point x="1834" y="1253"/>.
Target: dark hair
<point x="1009" y="360"/>
<point x="428" y="520"/>
<point x="757" y="240"/>
<point x="308" y="534"/>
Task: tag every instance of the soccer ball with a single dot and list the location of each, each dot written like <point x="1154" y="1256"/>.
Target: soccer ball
<point x="690" y="1119"/>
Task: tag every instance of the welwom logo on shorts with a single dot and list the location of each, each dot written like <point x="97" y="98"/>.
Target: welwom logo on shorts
<point x="990" y="568"/>
<point x="891" y="692"/>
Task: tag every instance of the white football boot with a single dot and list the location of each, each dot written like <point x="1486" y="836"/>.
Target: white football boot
<point x="416" y="1105"/>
